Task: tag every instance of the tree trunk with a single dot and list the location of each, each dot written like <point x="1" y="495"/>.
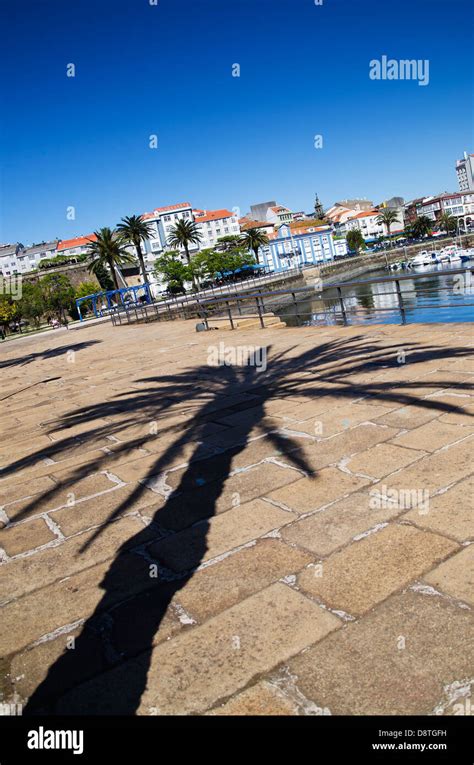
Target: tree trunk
<point x="112" y="273"/>
<point x="188" y="258"/>
<point x="142" y="262"/>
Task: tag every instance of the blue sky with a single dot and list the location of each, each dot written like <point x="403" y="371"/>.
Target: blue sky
<point x="224" y="141"/>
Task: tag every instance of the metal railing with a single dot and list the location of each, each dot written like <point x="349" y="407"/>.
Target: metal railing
<point x="183" y="306"/>
<point x="296" y="305"/>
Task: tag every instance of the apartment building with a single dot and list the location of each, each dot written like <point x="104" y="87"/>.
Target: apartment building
<point x="288" y="248"/>
<point x="460" y="205"/>
<point x="163" y="220"/>
<point x="214" y="224"/>
<point x="78" y="245"/>
<point x="465" y="172"/>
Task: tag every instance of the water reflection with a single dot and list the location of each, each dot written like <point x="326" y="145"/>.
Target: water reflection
<point x="427" y="298"/>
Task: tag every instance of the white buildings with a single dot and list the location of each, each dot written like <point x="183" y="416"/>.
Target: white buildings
<point x="8" y="258"/>
<point x="16" y="259"/>
<point x="465" y="172"/>
<point x="278" y="215"/>
<point x="246" y="223"/>
<point x="162" y="220"/>
<point x="303" y="246"/>
<point x="29" y="258"/>
<point x="214" y="224"/>
<point x="270" y="212"/>
<point x="459" y="205"/>
<point x="74" y="247"/>
<point x="337" y="214"/>
<point x="365" y="222"/>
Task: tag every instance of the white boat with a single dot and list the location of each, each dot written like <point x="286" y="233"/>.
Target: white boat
<point x="425" y="258"/>
<point x="450" y="257"/>
<point x="466" y="254"/>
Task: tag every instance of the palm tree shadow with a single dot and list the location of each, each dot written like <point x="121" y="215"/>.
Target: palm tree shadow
<point x="118" y="630"/>
<point x="132" y="613"/>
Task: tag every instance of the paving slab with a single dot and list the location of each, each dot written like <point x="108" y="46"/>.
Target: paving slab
<point x="325" y="531"/>
<point x="396" y="661"/>
<point x="358" y="577"/>
<point x="433" y="435"/>
<point x="244" y="641"/>
<point x="22" y="537"/>
<point x="456" y="576"/>
<point x="32" y="572"/>
<point x="236" y="577"/>
<point x="449" y="513"/>
<point x="310" y="493"/>
<point x="261" y="699"/>
<point x="209" y="539"/>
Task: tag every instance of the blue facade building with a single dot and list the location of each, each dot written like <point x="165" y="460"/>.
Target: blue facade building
<point x="297" y="248"/>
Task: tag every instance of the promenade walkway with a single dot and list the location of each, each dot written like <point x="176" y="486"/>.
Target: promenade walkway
<point x="289" y="537"/>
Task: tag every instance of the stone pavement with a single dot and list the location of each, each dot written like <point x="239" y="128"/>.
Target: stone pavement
<point x="291" y="537"/>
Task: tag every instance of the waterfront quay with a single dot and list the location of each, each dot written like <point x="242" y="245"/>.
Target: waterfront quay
<point x="184" y="532"/>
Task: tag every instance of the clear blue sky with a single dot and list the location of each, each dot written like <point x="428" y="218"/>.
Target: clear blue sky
<point x="224" y="141"/>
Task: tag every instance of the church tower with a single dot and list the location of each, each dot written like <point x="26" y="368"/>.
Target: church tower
<point x="318" y="209"/>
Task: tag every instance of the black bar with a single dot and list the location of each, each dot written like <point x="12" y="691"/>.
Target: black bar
<point x="343" y="307"/>
<point x="400" y="302"/>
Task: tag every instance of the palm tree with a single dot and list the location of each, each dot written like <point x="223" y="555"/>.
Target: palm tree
<point x="108" y="250"/>
<point x="184" y="233"/>
<point x="133" y="229"/>
<point x="253" y="239"/>
<point x="387" y="217"/>
<point x="355" y="240"/>
<point x="422" y="226"/>
<point x="447" y="222"/>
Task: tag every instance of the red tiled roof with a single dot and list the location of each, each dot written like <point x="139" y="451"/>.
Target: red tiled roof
<point x="365" y="214"/>
<point x="246" y="223"/>
<point x="79" y="241"/>
<point x="165" y="209"/>
<point x="214" y="215"/>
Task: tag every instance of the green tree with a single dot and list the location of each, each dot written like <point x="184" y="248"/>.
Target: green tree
<point x="184" y="233"/>
<point x="253" y="239"/>
<point x="8" y="310"/>
<point x="134" y="229"/>
<point x="355" y="240"/>
<point x="422" y="226"/>
<point x="58" y="295"/>
<point x="387" y="217"/>
<point x="82" y="290"/>
<point x="103" y="277"/>
<point x="212" y="262"/>
<point x="32" y="304"/>
<point x="108" y="250"/>
<point x="229" y="242"/>
<point x="447" y="222"/>
<point x="201" y="266"/>
<point x="174" y="272"/>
